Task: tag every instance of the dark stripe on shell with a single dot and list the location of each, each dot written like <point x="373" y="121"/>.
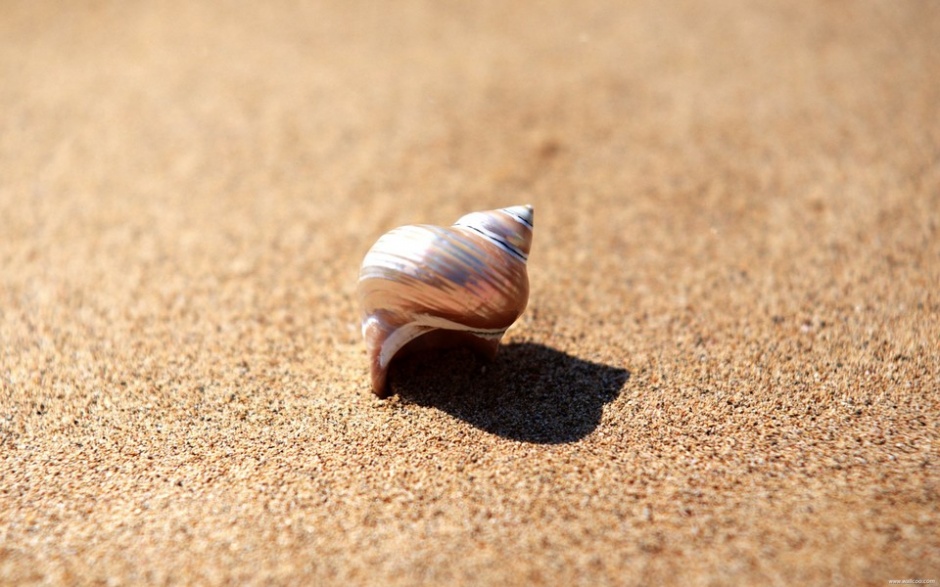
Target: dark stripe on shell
<point x="518" y="219"/>
<point x="498" y="242"/>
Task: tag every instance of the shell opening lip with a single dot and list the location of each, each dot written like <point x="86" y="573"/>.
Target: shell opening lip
<point x="485" y="347"/>
<point x="424" y="324"/>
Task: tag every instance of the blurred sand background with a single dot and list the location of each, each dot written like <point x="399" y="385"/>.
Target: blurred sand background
<point x="729" y="371"/>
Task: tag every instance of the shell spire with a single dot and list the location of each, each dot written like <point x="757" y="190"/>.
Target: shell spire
<point x="424" y="286"/>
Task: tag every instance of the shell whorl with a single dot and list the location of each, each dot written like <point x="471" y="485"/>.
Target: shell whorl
<point x="424" y="285"/>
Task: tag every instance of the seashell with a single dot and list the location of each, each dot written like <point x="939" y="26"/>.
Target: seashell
<point x="426" y="286"/>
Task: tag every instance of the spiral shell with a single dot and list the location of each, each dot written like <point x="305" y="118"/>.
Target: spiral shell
<point x="428" y="286"/>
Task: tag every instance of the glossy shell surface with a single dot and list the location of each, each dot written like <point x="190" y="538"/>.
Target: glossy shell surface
<point x="426" y="286"/>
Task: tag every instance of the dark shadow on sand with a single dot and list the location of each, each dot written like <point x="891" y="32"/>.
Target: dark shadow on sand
<point x="530" y="392"/>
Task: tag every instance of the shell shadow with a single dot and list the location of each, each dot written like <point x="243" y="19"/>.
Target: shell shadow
<point x="530" y="392"/>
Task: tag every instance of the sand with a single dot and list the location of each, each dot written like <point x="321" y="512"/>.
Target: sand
<point x="728" y="372"/>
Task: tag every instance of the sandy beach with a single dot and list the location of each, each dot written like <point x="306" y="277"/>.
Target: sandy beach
<point x="728" y="372"/>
